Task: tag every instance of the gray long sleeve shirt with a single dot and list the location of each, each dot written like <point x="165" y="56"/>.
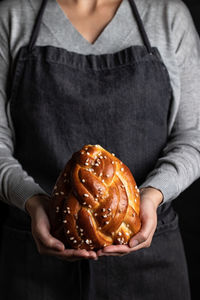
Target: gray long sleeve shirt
<point x="170" y="28"/>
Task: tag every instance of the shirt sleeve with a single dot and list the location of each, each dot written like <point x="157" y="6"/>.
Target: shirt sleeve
<point x="179" y="164"/>
<point x="16" y="186"/>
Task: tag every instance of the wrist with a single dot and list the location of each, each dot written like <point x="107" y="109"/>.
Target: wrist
<point x="152" y="193"/>
<point x="34" y="202"/>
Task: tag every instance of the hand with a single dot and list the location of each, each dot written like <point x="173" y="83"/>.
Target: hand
<point x="38" y="209"/>
<point x="150" y="199"/>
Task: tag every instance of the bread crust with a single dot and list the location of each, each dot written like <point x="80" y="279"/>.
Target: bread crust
<point x="95" y="201"/>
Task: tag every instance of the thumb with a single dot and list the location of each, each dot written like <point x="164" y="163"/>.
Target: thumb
<point x="41" y="231"/>
<point x="144" y="233"/>
<point x="49" y="241"/>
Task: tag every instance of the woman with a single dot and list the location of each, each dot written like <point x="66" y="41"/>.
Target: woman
<point x="122" y="74"/>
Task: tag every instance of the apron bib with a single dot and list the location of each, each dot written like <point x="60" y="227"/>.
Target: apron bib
<point x="59" y="101"/>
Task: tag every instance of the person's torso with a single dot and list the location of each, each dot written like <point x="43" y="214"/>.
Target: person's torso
<point x="61" y="100"/>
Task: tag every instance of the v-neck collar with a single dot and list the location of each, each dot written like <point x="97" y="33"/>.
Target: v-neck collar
<point x="62" y="28"/>
<point x="101" y="33"/>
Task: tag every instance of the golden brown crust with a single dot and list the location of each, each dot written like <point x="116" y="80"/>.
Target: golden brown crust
<point x="95" y="201"/>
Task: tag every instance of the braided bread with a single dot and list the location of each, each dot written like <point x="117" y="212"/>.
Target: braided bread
<point x="95" y="201"/>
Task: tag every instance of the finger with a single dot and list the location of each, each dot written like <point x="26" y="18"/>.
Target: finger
<point x="113" y="249"/>
<point x="67" y="253"/>
<point x="92" y="254"/>
<point x="148" y="226"/>
<point x="116" y="248"/>
<point x="145" y="244"/>
<point x="63" y="254"/>
<point x="43" y="235"/>
<point x="113" y="254"/>
<point x="82" y="254"/>
<point x="71" y="258"/>
<point x="46" y="251"/>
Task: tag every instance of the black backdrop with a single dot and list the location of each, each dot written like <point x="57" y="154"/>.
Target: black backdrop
<point x="188" y="203"/>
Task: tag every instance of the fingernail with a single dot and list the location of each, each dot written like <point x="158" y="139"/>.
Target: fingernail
<point x="134" y="243"/>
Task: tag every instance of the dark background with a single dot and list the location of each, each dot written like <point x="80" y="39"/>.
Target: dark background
<point x="188" y="203"/>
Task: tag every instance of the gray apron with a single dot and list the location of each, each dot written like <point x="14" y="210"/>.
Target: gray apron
<point x="59" y="101"/>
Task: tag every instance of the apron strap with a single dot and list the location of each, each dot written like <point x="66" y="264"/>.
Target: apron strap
<point x="141" y="26"/>
<point x="135" y="12"/>
<point x="37" y="26"/>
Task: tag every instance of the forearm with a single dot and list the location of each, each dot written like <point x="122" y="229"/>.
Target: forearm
<point x="179" y="164"/>
<point x="176" y="170"/>
<point x="155" y="195"/>
<point x="16" y="186"/>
